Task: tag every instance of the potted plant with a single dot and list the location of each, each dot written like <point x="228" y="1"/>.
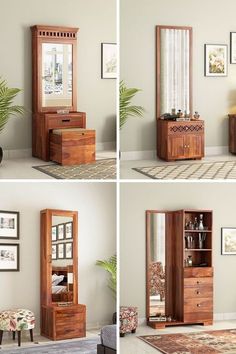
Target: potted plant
<point x="126" y="108"/>
<point x="7" y="109"/>
<point x="110" y="266"/>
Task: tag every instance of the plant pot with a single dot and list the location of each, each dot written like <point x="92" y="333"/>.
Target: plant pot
<point x="1" y="154"/>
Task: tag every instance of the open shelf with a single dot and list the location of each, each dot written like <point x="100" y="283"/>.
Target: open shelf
<point x="198" y="249"/>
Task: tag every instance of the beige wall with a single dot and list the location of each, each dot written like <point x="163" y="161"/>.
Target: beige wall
<point x="96" y="206"/>
<point x="97" y="23"/>
<point x="137" y="197"/>
<point x="212" y="97"/>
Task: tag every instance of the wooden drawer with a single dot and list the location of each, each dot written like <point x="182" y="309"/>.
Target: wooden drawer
<point x="197" y="272"/>
<point x="185" y="127"/>
<point x="200" y="317"/>
<point x="198" y="282"/>
<point x="198" y="305"/>
<point x="62" y="121"/>
<point x="205" y="291"/>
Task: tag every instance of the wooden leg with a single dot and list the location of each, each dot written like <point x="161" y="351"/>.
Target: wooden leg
<point x="19" y="338"/>
<point x="1" y="333"/>
<point x="13" y="335"/>
<point x="31" y="335"/>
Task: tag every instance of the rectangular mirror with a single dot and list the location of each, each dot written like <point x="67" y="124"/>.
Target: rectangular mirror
<point x="57" y="73"/>
<point x="174" y="69"/>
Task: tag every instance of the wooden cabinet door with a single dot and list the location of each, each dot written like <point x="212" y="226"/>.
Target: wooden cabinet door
<point x="193" y="146"/>
<point x="176" y="148"/>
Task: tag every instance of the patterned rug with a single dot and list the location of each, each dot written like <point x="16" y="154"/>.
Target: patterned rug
<point x="100" y="169"/>
<point x="212" y="342"/>
<point x="206" y="170"/>
<point x="88" y="346"/>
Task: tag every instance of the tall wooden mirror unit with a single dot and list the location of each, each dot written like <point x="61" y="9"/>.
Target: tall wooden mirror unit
<point x="179" y="272"/>
<point x="61" y="315"/>
<point x="179" y="135"/>
<point x="54" y="80"/>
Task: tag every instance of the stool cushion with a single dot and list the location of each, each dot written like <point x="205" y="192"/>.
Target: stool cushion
<point x="17" y="320"/>
<point x="128" y="319"/>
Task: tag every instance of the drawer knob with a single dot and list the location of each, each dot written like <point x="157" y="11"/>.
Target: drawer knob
<point x="198" y="305"/>
<point x="82" y="133"/>
<point x="65" y="120"/>
<point x="198" y="282"/>
<point x="198" y="293"/>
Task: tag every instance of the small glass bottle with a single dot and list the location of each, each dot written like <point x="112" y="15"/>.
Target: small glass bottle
<point x="200" y="226"/>
<point x="195" y="224"/>
<point x="189" y="261"/>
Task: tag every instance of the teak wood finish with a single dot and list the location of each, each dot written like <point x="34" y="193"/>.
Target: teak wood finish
<point x="177" y="140"/>
<point x="59" y="322"/>
<point x="232" y="133"/>
<point x="46" y="118"/>
<point x="189" y="290"/>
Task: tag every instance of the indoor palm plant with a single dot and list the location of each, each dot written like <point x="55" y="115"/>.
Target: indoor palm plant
<point x="7" y="108"/>
<point x="110" y="266"/>
<point x="126" y="108"/>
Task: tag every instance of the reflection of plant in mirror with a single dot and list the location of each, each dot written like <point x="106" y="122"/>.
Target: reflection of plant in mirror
<point x="110" y="266"/>
<point x="126" y="109"/>
<point x="7" y="109"/>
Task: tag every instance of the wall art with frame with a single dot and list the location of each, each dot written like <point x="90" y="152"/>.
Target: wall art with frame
<point x="9" y="257"/>
<point x="216" y="60"/>
<point x="109" y="61"/>
<point x="9" y="225"/>
<point x="228" y="240"/>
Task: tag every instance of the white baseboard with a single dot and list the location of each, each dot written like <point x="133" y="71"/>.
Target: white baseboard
<point x="24" y="153"/>
<point x="151" y="154"/>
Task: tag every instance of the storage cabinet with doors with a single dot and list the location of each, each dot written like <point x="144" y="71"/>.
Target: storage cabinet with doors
<point x="179" y="288"/>
<point x="62" y="317"/>
<point x="54" y="81"/>
<point x="180" y="140"/>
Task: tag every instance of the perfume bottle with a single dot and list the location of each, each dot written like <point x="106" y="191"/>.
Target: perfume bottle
<point x="200" y="226"/>
<point x="195" y="224"/>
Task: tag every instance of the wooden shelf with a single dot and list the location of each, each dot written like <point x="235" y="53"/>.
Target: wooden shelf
<point x="198" y="249"/>
<point x="198" y="231"/>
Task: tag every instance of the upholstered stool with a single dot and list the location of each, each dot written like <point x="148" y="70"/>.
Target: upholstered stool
<point x="16" y="321"/>
<point x="128" y="320"/>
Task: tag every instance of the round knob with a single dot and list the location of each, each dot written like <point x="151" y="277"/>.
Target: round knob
<point x="198" y="292"/>
<point x="188" y="146"/>
<point x="198" y="305"/>
<point x="198" y="282"/>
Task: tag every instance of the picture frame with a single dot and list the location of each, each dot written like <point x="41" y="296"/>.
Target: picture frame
<point x="228" y="240"/>
<point x="54" y="233"/>
<point x="9" y="257"/>
<point x="216" y="60"/>
<point x="69" y="250"/>
<point x="54" y="252"/>
<point x="232" y="47"/>
<point x="9" y="225"/>
<point x="60" y="231"/>
<point x="60" y="251"/>
<point x="109" y="61"/>
<point x="69" y="230"/>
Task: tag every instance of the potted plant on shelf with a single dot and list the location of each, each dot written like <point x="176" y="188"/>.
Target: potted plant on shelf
<point x="7" y="108"/>
<point x="110" y="266"/>
<point x="126" y="108"/>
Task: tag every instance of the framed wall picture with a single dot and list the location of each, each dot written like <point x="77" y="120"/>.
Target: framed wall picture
<point x="61" y="231"/>
<point x="69" y="250"/>
<point x="216" y="60"/>
<point x="54" y="251"/>
<point x="60" y="251"/>
<point x="9" y="224"/>
<point x="228" y="240"/>
<point x="233" y="47"/>
<point x="54" y="233"/>
<point x="109" y="60"/>
<point x="69" y="230"/>
<point x="9" y="257"/>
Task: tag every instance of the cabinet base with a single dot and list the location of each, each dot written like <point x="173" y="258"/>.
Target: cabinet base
<point x="162" y="325"/>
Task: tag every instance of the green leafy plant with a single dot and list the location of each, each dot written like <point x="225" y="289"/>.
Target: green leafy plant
<point x="126" y="108"/>
<point x="110" y="266"/>
<point x="7" y="109"/>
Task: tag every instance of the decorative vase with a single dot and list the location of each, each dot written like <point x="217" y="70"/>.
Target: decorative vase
<point x="1" y="154"/>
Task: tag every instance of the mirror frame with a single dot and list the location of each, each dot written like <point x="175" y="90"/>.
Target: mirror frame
<point x="46" y="253"/>
<point x="58" y="35"/>
<point x="158" y="66"/>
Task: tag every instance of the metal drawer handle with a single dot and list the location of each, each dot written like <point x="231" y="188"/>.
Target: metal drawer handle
<point x="65" y="120"/>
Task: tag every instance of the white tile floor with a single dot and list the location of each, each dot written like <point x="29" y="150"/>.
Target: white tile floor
<point x="22" y="168"/>
<point x="130" y="344"/>
<point x="126" y="171"/>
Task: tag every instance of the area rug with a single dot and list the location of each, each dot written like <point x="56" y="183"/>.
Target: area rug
<point x="204" y="342"/>
<point x="100" y="169"/>
<point x="206" y="170"/>
<point x="88" y="346"/>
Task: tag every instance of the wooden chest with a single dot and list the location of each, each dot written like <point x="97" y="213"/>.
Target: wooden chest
<point x="63" y="322"/>
<point x="72" y="146"/>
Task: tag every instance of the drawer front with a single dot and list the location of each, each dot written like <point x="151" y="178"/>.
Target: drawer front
<point x="70" y="324"/>
<point x="192" y="272"/>
<point x="198" y="317"/>
<point x="186" y="128"/>
<point x="205" y="291"/>
<point x="198" y="282"/>
<point x="57" y="122"/>
<point x="200" y="305"/>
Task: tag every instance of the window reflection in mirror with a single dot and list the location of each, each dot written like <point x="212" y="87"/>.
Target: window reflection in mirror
<point x="157" y="284"/>
<point x="56" y="75"/>
<point x="62" y="259"/>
